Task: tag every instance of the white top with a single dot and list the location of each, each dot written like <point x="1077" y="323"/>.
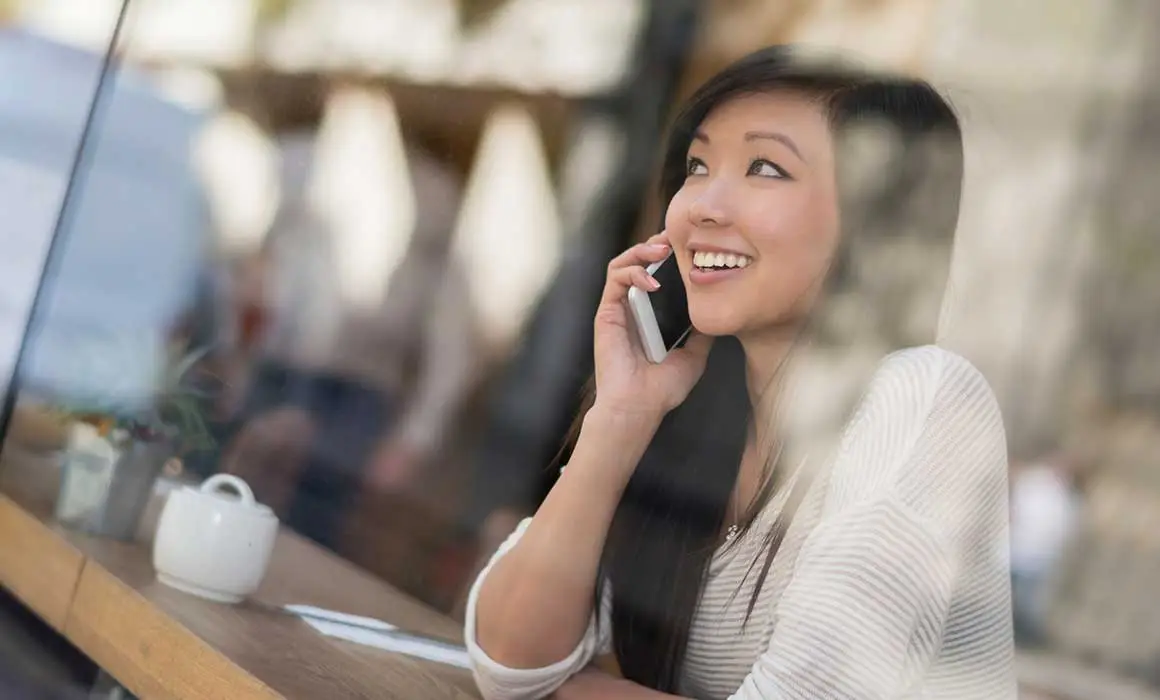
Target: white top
<point x="892" y="580"/>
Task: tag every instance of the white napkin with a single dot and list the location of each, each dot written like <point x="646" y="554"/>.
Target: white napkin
<point x="381" y="635"/>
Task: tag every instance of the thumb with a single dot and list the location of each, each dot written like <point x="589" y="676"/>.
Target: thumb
<point x="695" y="350"/>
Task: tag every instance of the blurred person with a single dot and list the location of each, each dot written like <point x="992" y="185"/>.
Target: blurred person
<point x="1045" y="507"/>
<point x="688" y="537"/>
<point x="343" y="398"/>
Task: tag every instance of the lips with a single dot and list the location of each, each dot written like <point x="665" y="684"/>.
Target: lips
<point x="711" y="276"/>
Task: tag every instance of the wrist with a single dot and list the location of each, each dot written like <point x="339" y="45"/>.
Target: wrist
<point x="611" y="443"/>
<point x="633" y="420"/>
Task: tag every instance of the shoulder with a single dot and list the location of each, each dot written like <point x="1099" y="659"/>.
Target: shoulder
<point x="927" y="365"/>
<point x="924" y="410"/>
<point x="953" y="393"/>
<point x="935" y="378"/>
<point x="905" y="388"/>
<point x="958" y="453"/>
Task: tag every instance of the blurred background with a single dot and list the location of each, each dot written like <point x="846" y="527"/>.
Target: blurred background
<point x="371" y="235"/>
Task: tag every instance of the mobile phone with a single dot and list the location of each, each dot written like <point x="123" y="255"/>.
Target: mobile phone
<point x="662" y="317"/>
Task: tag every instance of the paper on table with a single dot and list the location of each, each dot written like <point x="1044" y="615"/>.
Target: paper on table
<point x="335" y="616"/>
<point x="382" y="635"/>
<point x="30" y="198"/>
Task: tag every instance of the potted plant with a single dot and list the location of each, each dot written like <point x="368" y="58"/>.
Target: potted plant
<point x="176" y="416"/>
<point x="115" y="460"/>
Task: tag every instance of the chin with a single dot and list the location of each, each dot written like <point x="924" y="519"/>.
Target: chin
<point x="715" y="322"/>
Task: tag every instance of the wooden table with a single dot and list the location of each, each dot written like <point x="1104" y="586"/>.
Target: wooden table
<point x="159" y="643"/>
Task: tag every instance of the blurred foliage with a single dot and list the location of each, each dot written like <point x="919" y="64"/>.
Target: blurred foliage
<point x="1135" y="258"/>
<point x="176" y="413"/>
<point x="270" y="11"/>
<point x="179" y="404"/>
<point x="473" y="13"/>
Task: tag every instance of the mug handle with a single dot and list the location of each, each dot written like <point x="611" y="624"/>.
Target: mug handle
<point x="217" y="481"/>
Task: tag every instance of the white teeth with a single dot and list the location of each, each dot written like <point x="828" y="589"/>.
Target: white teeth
<point x="726" y="260"/>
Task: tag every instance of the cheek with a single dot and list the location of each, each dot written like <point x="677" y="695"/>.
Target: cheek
<point x="796" y="240"/>
<point x="793" y="233"/>
<point x="677" y="219"/>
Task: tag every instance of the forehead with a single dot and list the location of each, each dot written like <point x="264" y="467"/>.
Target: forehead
<point x="797" y="116"/>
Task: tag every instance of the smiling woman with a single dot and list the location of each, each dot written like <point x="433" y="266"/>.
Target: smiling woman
<point x="750" y="192"/>
<point x="689" y="537"/>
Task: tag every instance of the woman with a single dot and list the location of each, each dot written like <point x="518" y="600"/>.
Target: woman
<point x="725" y="564"/>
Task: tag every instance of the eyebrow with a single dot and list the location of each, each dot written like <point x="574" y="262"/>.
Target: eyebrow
<point x="760" y="135"/>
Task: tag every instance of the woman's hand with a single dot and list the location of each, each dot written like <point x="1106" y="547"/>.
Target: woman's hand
<point x="626" y="382"/>
<point x="534" y="606"/>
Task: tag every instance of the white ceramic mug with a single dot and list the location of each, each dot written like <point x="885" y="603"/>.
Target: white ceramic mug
<point x="212" y="544"/>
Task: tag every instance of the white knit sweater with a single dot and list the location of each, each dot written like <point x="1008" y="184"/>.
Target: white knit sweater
<point x="892" y="581"/>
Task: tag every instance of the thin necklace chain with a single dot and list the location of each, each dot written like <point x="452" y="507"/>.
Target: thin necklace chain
<point x="731" y="533"/>
<point x="734" y="529"/>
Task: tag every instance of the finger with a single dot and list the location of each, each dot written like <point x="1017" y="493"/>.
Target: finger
<point x="695" y="350"/>
<point x="642" y="280"/>
<point x="699" y="343"/>
<point x="641" y="254"/>
<point x="661" y="238"/>
<point x="620" y="280"/>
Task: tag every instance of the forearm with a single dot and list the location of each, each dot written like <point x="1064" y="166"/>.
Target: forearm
<point x="535" y="604"/>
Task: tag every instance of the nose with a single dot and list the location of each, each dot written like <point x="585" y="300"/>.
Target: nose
<point x="709" y="209"/>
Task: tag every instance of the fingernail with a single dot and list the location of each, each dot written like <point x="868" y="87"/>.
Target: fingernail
<point x="652" y="283"/>
<point x="660" y="247"/>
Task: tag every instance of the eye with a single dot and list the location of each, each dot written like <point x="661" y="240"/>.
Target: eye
<point x="695" y="166"/>
<point x="765" y="168"/>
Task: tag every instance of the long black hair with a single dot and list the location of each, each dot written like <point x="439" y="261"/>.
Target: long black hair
<point x="669" y="521"/>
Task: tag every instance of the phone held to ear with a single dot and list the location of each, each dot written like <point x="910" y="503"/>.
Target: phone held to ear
<point x="661" y="317"/>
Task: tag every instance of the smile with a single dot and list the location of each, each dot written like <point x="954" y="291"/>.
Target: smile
<point x="710" y="267"/>
<point x="720" y="261"/>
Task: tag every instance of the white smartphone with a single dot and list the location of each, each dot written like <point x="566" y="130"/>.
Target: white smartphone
<point x="661" y="317"/>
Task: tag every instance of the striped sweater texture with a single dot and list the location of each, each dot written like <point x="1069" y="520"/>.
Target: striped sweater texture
<point x="892" y="581"/>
